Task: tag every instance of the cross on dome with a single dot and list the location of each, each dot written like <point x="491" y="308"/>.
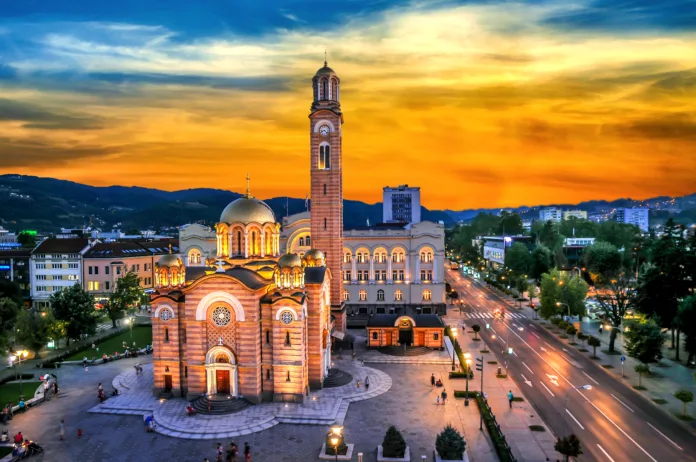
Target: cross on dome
<point x="248" y="188"/>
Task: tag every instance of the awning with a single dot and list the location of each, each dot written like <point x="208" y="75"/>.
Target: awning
<point x="338" y="334"/>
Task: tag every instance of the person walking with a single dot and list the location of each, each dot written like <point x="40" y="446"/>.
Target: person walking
<point x="443" y="395"/>
<point x="367" y="382"/>
<point x="510" y="398"/>
<point x="358" y="383"/>
<point x="437" y="399"/>
<point x="62" y="429"/>
<point x="232" y="453"/>
<point x="55" y="388"/>
<point x="218" y="451"/>
<point x="247" y="452"/>
<point x="432" y="380"/>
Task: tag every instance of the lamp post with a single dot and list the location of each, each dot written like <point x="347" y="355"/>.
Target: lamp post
<point x="467" y="360"/>
<point x="18" y="357"/>
<point x="565" y="404"/>
<point x="559" y="304"/>
<point x="335" y="439"/>
<point x="454" y="336"/>
<point x="129" y="322"/>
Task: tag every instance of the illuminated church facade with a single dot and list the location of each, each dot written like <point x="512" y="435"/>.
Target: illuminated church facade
<point x="233" y="317"/>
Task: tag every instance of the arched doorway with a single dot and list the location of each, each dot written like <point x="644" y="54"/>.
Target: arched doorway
<point x="405" y="330"/>
<point x="221" y="372"/>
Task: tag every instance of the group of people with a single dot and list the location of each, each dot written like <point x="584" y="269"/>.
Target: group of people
<point x="435" y="383"/>
<point x="367" y="383"/>
<point x="232" y="453"/>
<point x="24" y="448"/>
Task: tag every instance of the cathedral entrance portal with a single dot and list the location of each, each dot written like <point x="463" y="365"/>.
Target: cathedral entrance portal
<point x="221" y="372"/>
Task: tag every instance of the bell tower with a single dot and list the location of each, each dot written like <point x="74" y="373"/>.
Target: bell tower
<point x="326" y="167"/>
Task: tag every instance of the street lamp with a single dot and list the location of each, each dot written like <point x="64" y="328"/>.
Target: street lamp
<point x="565" y="404"/>
<point x="467" y="360"/>
<point x="561" y="304"/>
<point x="129" y="322"/>
<point x="19" y="356"/>
<point x="335" y="438"/>
<point x="454" y="336"/>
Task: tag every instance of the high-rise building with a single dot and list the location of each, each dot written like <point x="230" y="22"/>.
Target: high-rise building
<point x="550" y="214"/>
<point x="401" y="204"/>
<point x="637" y="217"/>
<point x="55" y="264"/>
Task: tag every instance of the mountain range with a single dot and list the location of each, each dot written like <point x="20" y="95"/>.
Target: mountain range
<point x="47" y="204"/>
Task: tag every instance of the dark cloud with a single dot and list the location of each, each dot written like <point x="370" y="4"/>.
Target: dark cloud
<point x="252" y="83"/>
<point x="30" y="153"/>
<point x="35" y="116"/>
<point x="669" y="126"/>
<point x="7" y="72"/>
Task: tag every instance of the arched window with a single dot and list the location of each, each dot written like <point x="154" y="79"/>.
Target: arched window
<point x="380" y="295"/>
<point x="287" y="338"/>
<point x="308" y="241"/>
<point x="166" y="334"/>
<point x="398" y="295"/>
<point x="239" y="242"/>
<point x="347" y="258"/>
<point x="194" y="257"/>
<point x="325" y="190"/>
<point x="268" y="336"/>
<point x="427" y="295"/>
<point x="301" y="241"/>
<point x="221" y="358"/>
<point x="316" y="91"/>
<point x="346" y="296"/>
<point x="324" y="157"/>
<point x="253" y="250"/>
<point x="325" y="89"/>
<point x="324" y="223"/>
<point x="362" y="296"/>
<point x="268" y="374"/>
<point x="334" y="90"/>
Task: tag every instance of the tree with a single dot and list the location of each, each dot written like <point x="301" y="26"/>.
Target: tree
<point x="33" y="329"/>
<point x="8" y="317"/>
<point x="603" y="261"/>
<point x="393" y="444"/>
<point x="518" y="259"/>
<point x="568" y="446"/>
<point x="615" y="297"/>
<point x="644" y="341"/>
<point x="510" y="224"/>
<point x="620" y="235"/>
<point x="685" y="396"/>
<point x="450" y="445"/>
<point x="594" y="342"/>
<point x="547" y="234"/>
<point x="559" y="290"/>
<point x="641" y="369"/>
<point x="27" y="240"/>
<point x="12" y="290"/>
<point x="521" y="284"/>
<point x="686" y="321"/>
<point x="75" y="308"/>
<point x="583" y="337"/>
<point x="541" y="262"/>
<point x="476" y="328"/>
<point x="126" y="295"/>
<point x="571" y="331"/>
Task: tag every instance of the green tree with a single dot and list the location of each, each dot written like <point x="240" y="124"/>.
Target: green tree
<point x="644" y="341"/>
<point x="620" y="235"/>
<point x="578" y="227"/>
<point x="583" y="337"/>
<point x="568" y="447"/>
<point x="547" y="234"/>
<point x="641" y="369"/>
<point x="476" y="328"/>
<point x="510" y="224"/>
<point x="33" y="329"/>
<point x="8" y="316"/>
<point x="603" y="262"/>
<point x="686" y="321"/>
<point x="594" y="342"/>
<point x="26" y="240"/>
<point x="685" y="396"/>
<point x="559" y="290"/>
<point x="75" y="308"/>
<point x="571" y="331"/>
<point x="518" y="259"/>
<point x="125" y="298"/>
<point x="12" y="290"/>
<point x="393" y="444"/>
<point x="541" y="262"/>
<point x="521" y="284"/>
<point x="450" y="445"/>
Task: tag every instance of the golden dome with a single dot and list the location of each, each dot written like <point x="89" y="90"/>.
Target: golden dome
<point x="247" y="210"/>
<point x="169" y="260"/>
<point x="326" y="70"/>
<point x="315" y="257"/>
<point x="290" y="260"/>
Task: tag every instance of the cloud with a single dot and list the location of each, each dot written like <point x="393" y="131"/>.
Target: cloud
<point x="668" y="126"/>
<point x="35" y="153"/>
<point x="36" y="116"/>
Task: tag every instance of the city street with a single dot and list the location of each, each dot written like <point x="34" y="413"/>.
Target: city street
<point x="612" y="422"/>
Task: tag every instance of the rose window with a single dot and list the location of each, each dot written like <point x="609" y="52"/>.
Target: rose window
<point x="166" y="315"/>
<point x="286" y="317"/>
<point x="221" y="316"/>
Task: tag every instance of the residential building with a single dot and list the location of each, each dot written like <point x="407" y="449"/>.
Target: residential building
<point x="578" y="241"/>
<point x="580" y="214"/>
<point x="8" y="239"/>
<point x="401" y="204"/>
<point x="56" y="263"/>
<point x="637" y="217"/>
<point x="106" y="262"/>
<point x="550" y="214"/>
<point x="14" y="266"/>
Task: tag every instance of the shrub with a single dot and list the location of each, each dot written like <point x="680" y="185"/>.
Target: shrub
<point x="594" y="342"/>
<point x="685" y="396"/>
<point x="555" y="321"/>
<point x="641" y="369"/>
<point x="450" y="444"/>
<point x="394" y="444"/>
<point x="569" y="446"/>
<point x="476" y="328"/>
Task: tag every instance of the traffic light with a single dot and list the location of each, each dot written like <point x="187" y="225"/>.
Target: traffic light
<point x="479" y="364"/>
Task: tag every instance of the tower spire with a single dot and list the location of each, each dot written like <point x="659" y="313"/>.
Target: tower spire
<point x="325" y="62"/>
<point x="248" y="188"/>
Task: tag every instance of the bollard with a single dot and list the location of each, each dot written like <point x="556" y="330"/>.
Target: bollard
<point x="360" y="457"/>
<point x="423" y="457"/>
<point x="500" y="371"/>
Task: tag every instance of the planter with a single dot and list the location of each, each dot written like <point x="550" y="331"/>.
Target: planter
<point x="405" y="458"/>
<point x="439" y="459"/>
<point x="348" y="455"/>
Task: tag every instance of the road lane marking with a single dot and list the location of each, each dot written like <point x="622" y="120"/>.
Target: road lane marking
<point x="525" y="365"/>
<point x="658" y="431"/>
<point x="590" y="378"/>
<point x="526" y="381"/>
<point x="576" y="420"/>
<point x="605" y="453"/>
<point x="550" y="346"/>
<point x="624" y="404"/>
<point x="535" y="335"/>
<point x="553" y="379"/>
<point x="547" y="389"/>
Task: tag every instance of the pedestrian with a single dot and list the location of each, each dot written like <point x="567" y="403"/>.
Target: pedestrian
<point x="84" y="362"/>
<point x="55" y="388"/>
<point x="353" y="355"/>
<point x="247" y="452"/>
<point x="62" y="430"/>
<point x="22" y="405"/>
<point x="358" y="383"/>
<point x="437" y="399"/>
<point x="600" y="330"/>
<point x="232" y="453"/>
<point x="444" y="396"/>
<point x="510" y="398"/>
<point x="367" y="382"/>
<point x="219" y="452"/>
<point x="93" y="346"/>
<point x="432" y="380"/>
<point x="86" y="369"/>
<point x="100" y="388"/>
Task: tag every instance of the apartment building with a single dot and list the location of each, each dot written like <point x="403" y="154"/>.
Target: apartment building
<point x="54" y="265"/>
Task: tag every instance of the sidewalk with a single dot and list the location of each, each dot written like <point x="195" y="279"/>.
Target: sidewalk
<point x="526" y="444"/>
<point x="664" y="379"/>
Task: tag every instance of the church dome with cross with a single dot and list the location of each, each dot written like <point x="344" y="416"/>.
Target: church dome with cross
<point x="247" y="210"/>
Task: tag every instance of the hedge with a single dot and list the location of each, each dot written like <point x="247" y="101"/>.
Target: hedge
<point x="499" y="442"/>
<point x="458" y="350"/>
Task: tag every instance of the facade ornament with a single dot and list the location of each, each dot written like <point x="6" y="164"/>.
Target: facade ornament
<point x="220" y="341"/>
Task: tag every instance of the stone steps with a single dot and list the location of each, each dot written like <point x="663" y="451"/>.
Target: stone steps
<point x="219" y="406"/>
<point x="337" y="378"/>
<point x="408" y="351"/>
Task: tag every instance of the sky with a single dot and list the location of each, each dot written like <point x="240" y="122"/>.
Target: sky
<point x="480" y="103"/>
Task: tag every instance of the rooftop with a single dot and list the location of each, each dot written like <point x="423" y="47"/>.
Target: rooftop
<point x="54" y="245"/>
<point x="420" y="320"/>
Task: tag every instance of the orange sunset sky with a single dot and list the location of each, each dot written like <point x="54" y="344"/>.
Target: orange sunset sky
<point x="481" y="104"/>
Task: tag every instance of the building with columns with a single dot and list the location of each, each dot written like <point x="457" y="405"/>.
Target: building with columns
<point x="236" y="317"/>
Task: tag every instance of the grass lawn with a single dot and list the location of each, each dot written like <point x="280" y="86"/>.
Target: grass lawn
<point x="142" y="335"/>
<point x="10" y="391"/>
<point x="5" y="451"/>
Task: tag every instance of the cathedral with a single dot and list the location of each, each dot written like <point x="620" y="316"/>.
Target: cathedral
<point x="248" y="322"/>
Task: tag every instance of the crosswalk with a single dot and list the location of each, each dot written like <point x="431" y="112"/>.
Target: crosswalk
<point x="487" y="315"/>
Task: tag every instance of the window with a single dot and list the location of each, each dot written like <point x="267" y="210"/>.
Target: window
<point x="380" y="295"/>
<point x="398" y="275"/>
<point x="324" y="157"/>
<point x="375" y="335"/>
<point x="72" y="266"/>
<point x="106" y="269"/>
<point x="398" y="295"/>
<point x="221" y="316"/>
<point x="194" y="257"/>
<point x="183" y="335"/>
<point x="268" y="337"/>
<point x="302" y="242"/>
<point x="363" y="295"/>
<point x="288" y="377"/>
<point x="427" y="295"/>
<point x="426" y="257"/>
<point x="41" y="266"/>
<point x="89" y="269"/>
<point x="347" y="258"/>
<point x="346" y="276"/>
<point x="287" y="338"/>
<point x="362" y="275"/>
<point x="308" y="241"/>
<point x="346" y="296"/>
<point x="286" y="317"/>
<point x="325" y="190"/>
<point x="118" y="270"/>
<point x="96" y="270"/>
<point x="166" y="335"/>
<point x="40" y="277"/>
<point x="106" y="285"/>
<point x="268" y="374"/>
<point x="324" y="223"/>
<point x="436" y="336"/>
<point x="398" y="257"/>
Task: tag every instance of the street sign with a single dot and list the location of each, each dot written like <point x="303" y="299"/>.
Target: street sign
<point x="623" y="358"/>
